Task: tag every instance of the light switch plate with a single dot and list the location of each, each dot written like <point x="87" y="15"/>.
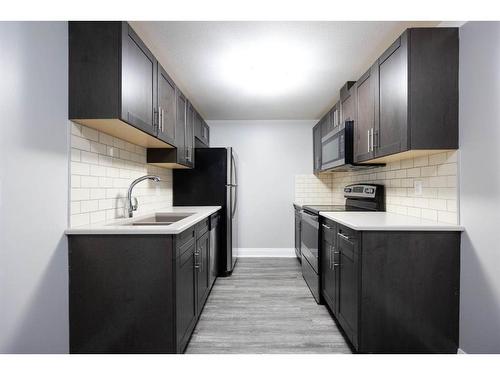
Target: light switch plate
<point x="418" y="187"/>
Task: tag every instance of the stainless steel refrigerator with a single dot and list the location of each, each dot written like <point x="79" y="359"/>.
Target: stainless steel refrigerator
<point x="213" y="182"/>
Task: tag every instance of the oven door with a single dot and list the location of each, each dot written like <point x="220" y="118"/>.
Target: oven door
<point x="309" y="237"/>
<point x="333" y="149"/>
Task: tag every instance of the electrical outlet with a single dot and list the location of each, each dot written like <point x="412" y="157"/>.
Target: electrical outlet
<point x="418" y="187"/>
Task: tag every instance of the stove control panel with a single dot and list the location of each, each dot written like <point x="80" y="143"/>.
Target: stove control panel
<point x="360" y="191"/>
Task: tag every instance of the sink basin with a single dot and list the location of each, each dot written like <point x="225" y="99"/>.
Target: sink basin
<point x="161" y="219"/>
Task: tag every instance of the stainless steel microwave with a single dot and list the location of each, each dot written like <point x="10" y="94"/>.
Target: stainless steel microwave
<point x="337" y="150"/>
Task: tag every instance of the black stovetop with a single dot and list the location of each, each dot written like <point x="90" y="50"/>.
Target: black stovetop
<point x="316" y="209"/>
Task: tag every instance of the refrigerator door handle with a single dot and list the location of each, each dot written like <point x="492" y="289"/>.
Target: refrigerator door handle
<point x="234" y="184"/>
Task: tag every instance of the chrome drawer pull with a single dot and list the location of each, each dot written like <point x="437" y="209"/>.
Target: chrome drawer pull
<point x="344" y="236"/>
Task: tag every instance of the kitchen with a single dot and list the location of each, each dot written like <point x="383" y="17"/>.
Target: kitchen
<point x="199" y="200"/>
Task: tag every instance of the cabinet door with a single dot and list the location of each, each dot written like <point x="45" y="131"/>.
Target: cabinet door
<point x="138" y="83"/>
<point x="203" y="270"/>
<point x="166" y="106"/>
<point x="206" y="134"/>
<point x="297" y="232"/>
<point x="185" y="294"/>
<point x="348" y="285"/>
<point x="391" y="136"/>
<point x="326" y="124"/>
<point x="190" y="114"/>
<point x="335" y="116"/>
<point x="329" y="265"/>
<point x="348" y="108"/>
<point x="180" y="127"/>
<point x="365" y="108"/>
<point x="317" y="147"/>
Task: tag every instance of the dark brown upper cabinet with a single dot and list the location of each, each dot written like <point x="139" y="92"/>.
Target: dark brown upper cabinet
<point x="201" y="132"/>
<point x="117" y="86"/>
<point x="166" y="107"/>
<point x="113" y="82"/>
<point x="182" y="156"/>
<point x="347" y="103"/>
<point x="364" y="126"/>
<point x="416" y="100"/>
<point x="317" y="148"/>
<point x="189" y="138"/>
<point x="335" y="116"/>
<point x="325" y="124"/>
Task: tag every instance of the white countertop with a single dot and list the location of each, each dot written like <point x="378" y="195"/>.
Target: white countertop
<point x="122" y="226"/>
<point x="371" y="221"/>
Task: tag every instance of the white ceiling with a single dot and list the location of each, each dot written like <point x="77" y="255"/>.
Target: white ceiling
<point x="266" y="70"/>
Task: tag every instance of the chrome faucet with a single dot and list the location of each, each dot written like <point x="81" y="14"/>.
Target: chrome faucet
<point x="133" y="206"/>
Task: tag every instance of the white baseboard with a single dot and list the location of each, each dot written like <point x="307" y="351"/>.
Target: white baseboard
<point x="460" y="351"/>
<point x="259" y="252"/>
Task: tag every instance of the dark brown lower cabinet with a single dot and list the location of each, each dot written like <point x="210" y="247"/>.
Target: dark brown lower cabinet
<point x="137" y="293"/>
<point x="393" y="291"/>
<point x="203" y="269"/>
<point x="186" y="301"/>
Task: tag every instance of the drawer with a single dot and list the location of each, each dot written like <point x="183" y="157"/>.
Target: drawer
<point x="328" y="228"/>
<point x="311" y="278"/>
<point x="202" y="227"/>
<point x="183" y="238"/>
<point x="351" y="234"/>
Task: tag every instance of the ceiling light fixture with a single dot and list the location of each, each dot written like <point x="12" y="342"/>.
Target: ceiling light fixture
<point x="266" y="67"/>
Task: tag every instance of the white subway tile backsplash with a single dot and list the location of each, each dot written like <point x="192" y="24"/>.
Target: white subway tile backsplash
<point x="90" y="134"/>
<point x="75" y="154"/>
<point x="437" y="172"/>
<point x="79" y="219"/>
<point x="89" y="181"/>
<point x="78" y="194"/>
<point x="98" y="148"/>
<point x="103" y="167"/>
<point x="89" y="157"/>
<point x="80" y="143"/>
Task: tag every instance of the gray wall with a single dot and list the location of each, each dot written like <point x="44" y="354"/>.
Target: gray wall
<point x="270" y="154"/>
<point x="33" y="187"/>
<point x="480" y="186"/>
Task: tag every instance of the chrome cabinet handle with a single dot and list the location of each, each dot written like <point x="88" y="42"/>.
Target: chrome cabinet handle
<point x="373" y="146"/>
<point x="330" y="257"/>
<point x="326" y="227"/>
<point x="162" y="120"/>
<point x="368" y="140"/>
<point x="336" y="265"/>
<point x="344" y="236"/>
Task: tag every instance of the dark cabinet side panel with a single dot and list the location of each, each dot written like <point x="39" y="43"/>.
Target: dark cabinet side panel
<point x="410" y="293"/>
<point x="94" y="70"/>
<point x="433" y="94"/>
<point x="114" y="284"/>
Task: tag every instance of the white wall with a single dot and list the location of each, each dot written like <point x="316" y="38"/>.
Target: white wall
<point x="270" y="154"/>
<point x="480" y="186"/>
<point x="33" y="187"/>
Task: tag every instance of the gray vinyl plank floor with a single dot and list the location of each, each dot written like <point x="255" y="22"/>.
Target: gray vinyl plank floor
<point x="265" y="307"/>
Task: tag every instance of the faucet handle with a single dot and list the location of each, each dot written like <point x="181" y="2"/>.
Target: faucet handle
<point x="135" y="204"/>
